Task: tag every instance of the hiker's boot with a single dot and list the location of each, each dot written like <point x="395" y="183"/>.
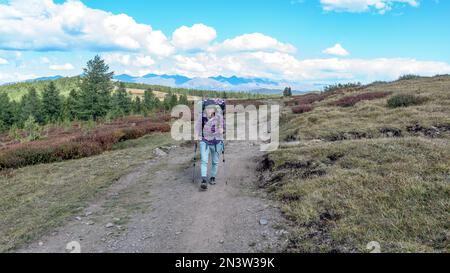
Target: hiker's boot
<point x="212" y="181"/>
<point x="204" y="184"/>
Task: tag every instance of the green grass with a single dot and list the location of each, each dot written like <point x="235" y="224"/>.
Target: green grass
<point x="37" y="198"/>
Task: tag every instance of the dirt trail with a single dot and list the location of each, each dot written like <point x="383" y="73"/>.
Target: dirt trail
<point x="157" y="208"/>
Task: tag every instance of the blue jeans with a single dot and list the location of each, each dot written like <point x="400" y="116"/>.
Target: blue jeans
<point x="205" y="150"/>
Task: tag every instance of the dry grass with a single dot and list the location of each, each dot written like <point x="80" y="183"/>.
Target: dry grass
<point x="342" y="195"/>
<point x="367" y="172"/>
<point x="38" y="198"/>
<point x="370" y="117"/>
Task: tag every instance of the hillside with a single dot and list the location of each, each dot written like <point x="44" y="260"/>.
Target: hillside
<point x="350" y="175"/>
<point x="64" y="85"/>
<point x="17" y="90"/>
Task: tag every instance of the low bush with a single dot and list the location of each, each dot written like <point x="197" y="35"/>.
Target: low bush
<point x="408" y="77"/>
<point x="405" y="101"/>
<point x="307" y="99"/>
<point x="303" y="108"/>
<point x="352" y="100"/>
<point x="93" y="143"/>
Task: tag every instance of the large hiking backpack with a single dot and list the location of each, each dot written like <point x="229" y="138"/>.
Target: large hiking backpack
<point x="220" y="110"/>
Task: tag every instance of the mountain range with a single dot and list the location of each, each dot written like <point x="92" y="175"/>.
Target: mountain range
<point x="217" y="83"/>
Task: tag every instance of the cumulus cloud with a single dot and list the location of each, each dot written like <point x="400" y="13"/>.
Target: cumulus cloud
<point x="279" y="65"/>
<point x="44" y="60"/>
<point x="253" y="42"/>
<point x="197" y="36"/>
<point x="336" y="50"/>
<point x="15" y="77"/>
<point x="3" y="61"/>
<point x="364" y="5"/>
<point x="44" y="25"/>
<point x="137" y="60"/>
<point x="62" y="67"/>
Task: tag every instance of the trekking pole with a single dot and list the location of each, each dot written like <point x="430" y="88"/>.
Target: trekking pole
<point x="223" y="160"/>
<point x="195" y="159"/>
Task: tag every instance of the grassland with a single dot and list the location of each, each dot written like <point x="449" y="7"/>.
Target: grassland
<point x="368" y="172"/>
<point x="367" y="118"/>
<point x="37" y="198"/>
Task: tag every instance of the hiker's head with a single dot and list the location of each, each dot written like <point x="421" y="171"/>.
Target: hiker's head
<point x="210" y="111"/>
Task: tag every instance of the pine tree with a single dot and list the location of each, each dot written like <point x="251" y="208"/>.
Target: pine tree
<point x="167" y="100"/>
<point x="183" y="100"/>
<point x="287" y="92"/>
<point x="137" y="106"/>
<point x="31" y="105"/>
<point x="150" y="100"/>
<point x="72" y="105"/>
<point x="6" y="112"/>
<point x="32" y="129"/>
<point x="173" y="101"/>
<point x="52" y="106"/>
<point x="121" y="101"/>
<point x="96" y="88"/>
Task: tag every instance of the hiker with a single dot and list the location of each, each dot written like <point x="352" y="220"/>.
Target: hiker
<point x="210" y="130"/>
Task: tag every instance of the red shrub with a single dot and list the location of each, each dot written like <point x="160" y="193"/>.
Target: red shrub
<point x="303" y="108"/>
<point x="77" y="145"/>
<point x="309" y="98"/>
<point x="352" y="100"/>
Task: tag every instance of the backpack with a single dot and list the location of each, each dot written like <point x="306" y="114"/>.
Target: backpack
<point x="221" y="106"/>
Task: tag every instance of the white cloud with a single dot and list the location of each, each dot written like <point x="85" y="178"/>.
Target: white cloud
<point x="44" y="60"/>
<point x="279" y="65"/>
<point x="136" y="60"/>
<point x="44" y="25"/>
<point x="337" y="50"/>
<point x="253" y="42"/>
<point x="364" y="5"/>
<point x="62" y="67"/>
<point x="15" y="77"/>
<point x="118" y="58"/>
<point x="197" y="36"/>
<point x="3" y="61"/>
<point x="144" y="61"/>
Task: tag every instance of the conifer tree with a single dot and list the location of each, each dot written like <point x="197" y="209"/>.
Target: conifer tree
<point x="96" y="88"/>
<point x="52" y="106"/>
<point x="31" y="105"/>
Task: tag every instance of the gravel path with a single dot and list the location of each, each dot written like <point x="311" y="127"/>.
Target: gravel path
<point x="157" y="208"/>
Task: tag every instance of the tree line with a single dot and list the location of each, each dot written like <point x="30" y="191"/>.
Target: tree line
<point x="96" y="98"/>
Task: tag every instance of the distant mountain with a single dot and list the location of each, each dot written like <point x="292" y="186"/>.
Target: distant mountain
<point x="218" y="83"/>
<point x="50" y="78"/>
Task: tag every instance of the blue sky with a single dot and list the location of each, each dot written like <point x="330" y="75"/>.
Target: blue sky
<point x="296" y="40"/>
